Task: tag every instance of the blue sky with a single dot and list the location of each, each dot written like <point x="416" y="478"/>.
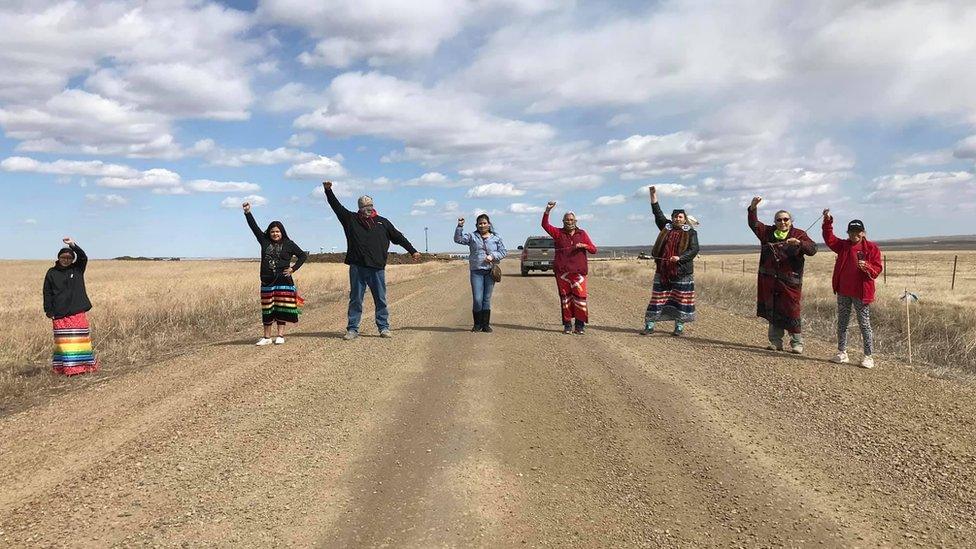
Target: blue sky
<point x="139" y="128"/>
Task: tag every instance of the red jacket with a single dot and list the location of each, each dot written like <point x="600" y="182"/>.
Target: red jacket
<point x="569" y="258"/>
<point x="848" y="279"/>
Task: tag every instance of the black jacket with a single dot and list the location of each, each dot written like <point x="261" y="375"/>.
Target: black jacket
<point x="275" y="257"/>
<point x="64" y="287"/>
<point x="686" y="261"/>
<point x="367" y="247"/>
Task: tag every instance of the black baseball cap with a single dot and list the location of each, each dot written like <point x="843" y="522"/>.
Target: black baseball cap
<point x="855" y="225"/>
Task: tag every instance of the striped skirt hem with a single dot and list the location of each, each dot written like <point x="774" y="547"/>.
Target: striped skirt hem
<point x="73" y="353"/>
<point x="280" y="303"/>
<point x="672" y="301"/>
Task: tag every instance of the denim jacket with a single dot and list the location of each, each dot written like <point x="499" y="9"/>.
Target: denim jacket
<point x="476" y="258"/>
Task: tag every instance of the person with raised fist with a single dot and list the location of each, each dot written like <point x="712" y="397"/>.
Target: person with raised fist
<point x="368" y="238"/>
<point x="66" y="303"/>
<point x="280" y="302"/>
<point x="780" y="284"/>
<point x="571" y="267"/>
<point x="858" y="263"/>
<point x="486" y="250"/>
<point x="674" y="251"/>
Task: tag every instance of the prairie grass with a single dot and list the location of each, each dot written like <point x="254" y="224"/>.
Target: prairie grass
<point x="144" y="311"/>
<point x="943" y="322"/>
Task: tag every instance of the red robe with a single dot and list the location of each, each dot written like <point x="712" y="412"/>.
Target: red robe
<point x="780" y="285"/>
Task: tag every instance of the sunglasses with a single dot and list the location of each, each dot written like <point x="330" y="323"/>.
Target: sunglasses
<point x="783" y="219"/>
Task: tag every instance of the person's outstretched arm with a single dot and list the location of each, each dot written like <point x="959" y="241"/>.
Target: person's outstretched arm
<point x="258" y="233"/>
<point x="397" y="238"/>
<point x="459" y="236"/>
<point x="341" y="212"/>
<point x="756" y="226"/>
<point x="550" y="230"/>
<point x="830" y="239"/>
<point x="659" y="218"/>
<point x="81" y="258"/>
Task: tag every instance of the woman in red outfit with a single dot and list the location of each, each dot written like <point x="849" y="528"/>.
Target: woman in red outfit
<point x="570" y="266"/>
<point x="780" y="286"/>
<point x="858" y="264"/>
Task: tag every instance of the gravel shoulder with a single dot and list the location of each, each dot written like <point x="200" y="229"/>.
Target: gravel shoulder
<point x="528" y="437"/>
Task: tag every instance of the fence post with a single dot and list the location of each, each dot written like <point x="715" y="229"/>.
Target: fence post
<point x="723" y="266"/>
<point x="884" y="267"/>
<point x="955" y="261"/>
<point x="743" y="265"/>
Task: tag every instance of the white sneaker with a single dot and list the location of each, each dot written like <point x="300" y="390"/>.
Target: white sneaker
<point x="350" y="335"/>
<point x="279" y="340"/>
<point x="796" y="349"/>
<point x="263" y="341"/>
<point x="841" y="357"/>
<point x="867" y="362"/>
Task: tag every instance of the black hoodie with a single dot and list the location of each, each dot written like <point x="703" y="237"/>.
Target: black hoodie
<point x="367" y="246"/>
<point x="275" y="256"/>
<point x="64" y="287"/>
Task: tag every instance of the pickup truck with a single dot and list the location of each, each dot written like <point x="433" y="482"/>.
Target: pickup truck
<point x="537" y="254"/>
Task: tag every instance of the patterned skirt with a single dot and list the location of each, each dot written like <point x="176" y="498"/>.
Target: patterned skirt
<point x="73" y="352"/>
<point x="672" y="301"/>
<point x="280" y="303"/>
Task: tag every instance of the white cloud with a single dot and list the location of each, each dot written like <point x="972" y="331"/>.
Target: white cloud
<point x="665" y="190"/>
<point x="966" y="148"/>
<point x="494" y="190"/>
<point x="319" y="168"/>
<point x="641" y="156"/>
<point x="943" y="190"/>
<point x="235" y="202"/>
<point x="79" y="121"/>
<point x="429" y="121"/>
<point x="107" y="200"/>
<point x="637" y="218"/>
<point x="111" y="77"/>
<point x="94" y="168"/>
<point x="429" y="179"/>
<point x="925" y="158"/>
<point x="522" y="208"/>
<point x="425" y="203"/>
<point x="383" y="31"/>
<point x="260" y="157"/>
<point x="294" y="96"/>
<point x="30" y="221"/>
<point x="610" y="200"/>
<point x="209" y="186"/>
<point x="301" y="139"/>
<point x="156" y="178"/>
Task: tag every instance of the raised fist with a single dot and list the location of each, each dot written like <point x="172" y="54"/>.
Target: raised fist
<point x="826" y="215"/>
<point x="460" y="222"/>
<point x="327" y="184"/>
<point x="68" y="241"/>
<point x="550" y="205"/>
<point x="755" y="201"/>
<point x="247" y="207"/>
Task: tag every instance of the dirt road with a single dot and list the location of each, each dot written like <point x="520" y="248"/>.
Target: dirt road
<point x="525" y="437"/>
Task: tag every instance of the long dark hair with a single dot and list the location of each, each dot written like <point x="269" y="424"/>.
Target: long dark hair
<point x="491" y="229"/>
<point x="273" y="224"/>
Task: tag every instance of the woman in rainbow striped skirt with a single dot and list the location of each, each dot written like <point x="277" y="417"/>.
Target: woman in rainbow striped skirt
<point x="65" y="303"/>
<point x="280" y="302"/>
<point x="673" y="295"/>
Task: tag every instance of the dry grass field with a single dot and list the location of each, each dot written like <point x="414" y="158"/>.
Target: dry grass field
<point x="943" y="322"/>
<point x="147" y="309"/>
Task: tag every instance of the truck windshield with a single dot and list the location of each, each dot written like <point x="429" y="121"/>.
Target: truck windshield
<point x="540" y="243"/>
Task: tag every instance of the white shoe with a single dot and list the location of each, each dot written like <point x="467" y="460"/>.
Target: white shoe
<point x="796" y="349"/>
<point x="279" y="340"/>
<point x="350" y="335"/>
<point x="867" y="362"/>
<point x="263" y="341"/>
<point x="841" y="357"/>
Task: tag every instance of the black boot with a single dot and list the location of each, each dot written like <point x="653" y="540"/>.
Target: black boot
<point x="477" y="321"/>
<point x="486" y="321"/>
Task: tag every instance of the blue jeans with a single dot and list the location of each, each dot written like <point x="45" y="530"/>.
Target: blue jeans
<point x="482" y="285"/>
<point x="359" y="278"/>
